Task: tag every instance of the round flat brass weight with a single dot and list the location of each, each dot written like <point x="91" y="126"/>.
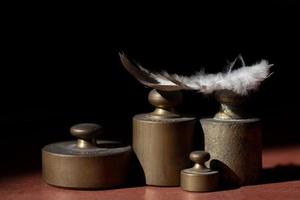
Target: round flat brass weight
<point x="87" y="163"/>
<point x="199" y="178"/>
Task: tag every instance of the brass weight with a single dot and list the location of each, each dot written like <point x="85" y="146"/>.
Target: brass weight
<point x="233" y="140"/>
<point x="87" y="163"/>
<point x="235" y="149"/>
<point x="199" y="178"/>
<point x="163" y="139"/>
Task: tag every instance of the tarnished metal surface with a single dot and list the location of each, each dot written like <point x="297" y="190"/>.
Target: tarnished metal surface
<point x="199" y="178"/>
<point x="163" y="139"/>
<point x="86" y="163"/>
<point x="235" y="149"/>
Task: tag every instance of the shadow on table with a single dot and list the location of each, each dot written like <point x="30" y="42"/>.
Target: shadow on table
<point x="280" y="173"/>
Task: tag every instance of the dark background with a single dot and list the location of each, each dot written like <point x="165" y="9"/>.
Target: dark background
<point x="60" y="66"/>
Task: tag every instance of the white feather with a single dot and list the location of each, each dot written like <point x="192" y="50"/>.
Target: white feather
<point x="240" y="81"/>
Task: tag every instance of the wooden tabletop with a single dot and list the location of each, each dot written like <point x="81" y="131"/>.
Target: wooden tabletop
<point x="281" y="180"/>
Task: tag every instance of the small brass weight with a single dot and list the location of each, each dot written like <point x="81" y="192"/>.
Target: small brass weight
<point x="87" y="163"/>
<point x="163" y="139"/>
<point x="199" y="178"/>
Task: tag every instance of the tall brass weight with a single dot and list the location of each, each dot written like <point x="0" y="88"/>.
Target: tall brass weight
<point x="233" y="141"/>
<point x="163" y="139"/>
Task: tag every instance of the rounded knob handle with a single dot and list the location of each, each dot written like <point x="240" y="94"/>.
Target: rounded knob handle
<point x="86" y="134"/>
<point x="164" y="99"/>
<point x="164" y="102"/>
<point x="199" y="157"/>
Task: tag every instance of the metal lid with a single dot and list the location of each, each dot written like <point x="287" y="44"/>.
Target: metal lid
<point x="87" y="163"/>
<point x="199" y="178"/>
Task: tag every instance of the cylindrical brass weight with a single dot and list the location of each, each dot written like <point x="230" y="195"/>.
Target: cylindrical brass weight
<point x="199" y="178"/>
<point x="87" y="163"/>
<point x="97" y="170"/>
<point x="235" y="149"/>
<point x="162" y="147"/>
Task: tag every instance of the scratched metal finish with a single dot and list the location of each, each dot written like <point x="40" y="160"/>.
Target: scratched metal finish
<point x="235" y="149"/>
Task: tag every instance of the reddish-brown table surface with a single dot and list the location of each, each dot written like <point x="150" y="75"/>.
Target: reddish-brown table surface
<point x="281" y="181"/>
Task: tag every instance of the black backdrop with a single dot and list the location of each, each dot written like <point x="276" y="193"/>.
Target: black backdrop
<point x="60" y="65"/>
